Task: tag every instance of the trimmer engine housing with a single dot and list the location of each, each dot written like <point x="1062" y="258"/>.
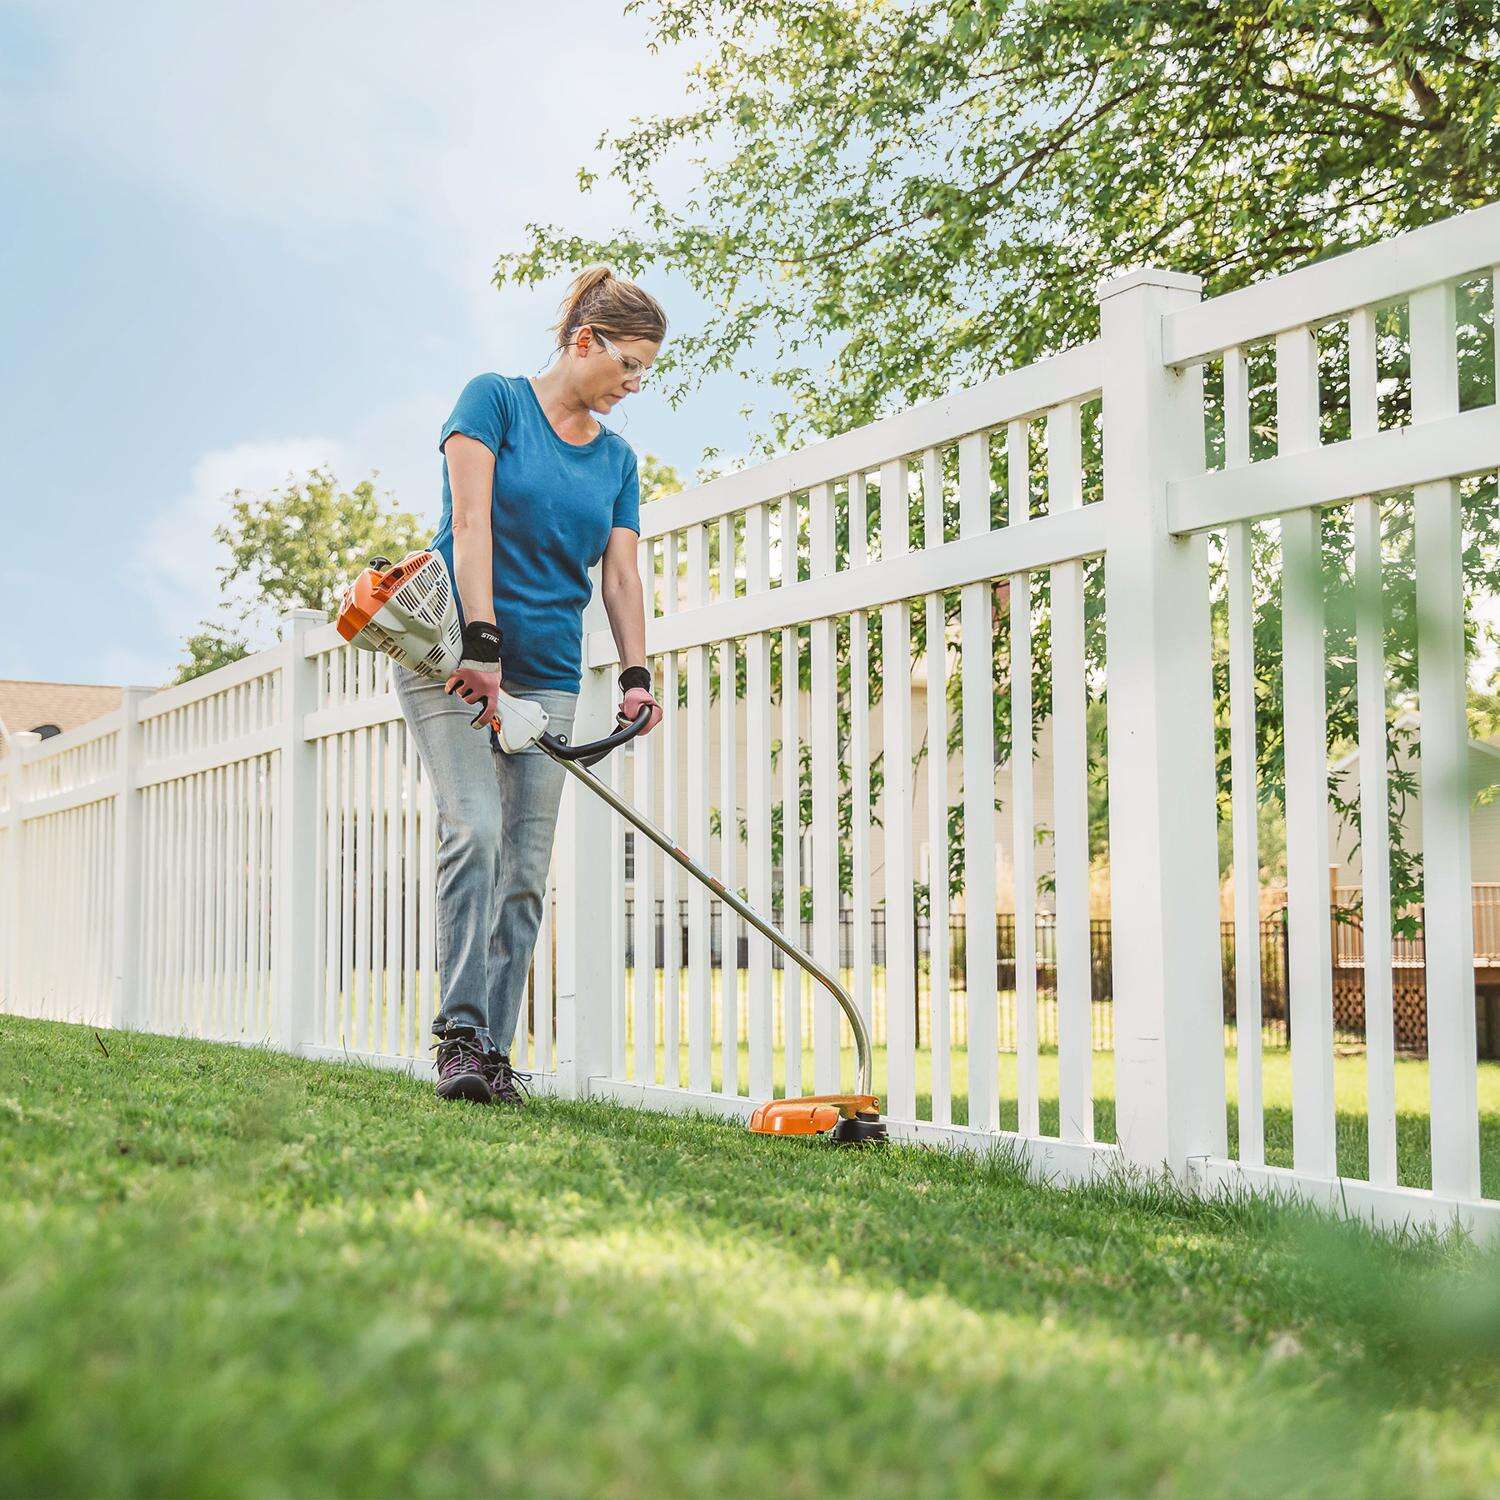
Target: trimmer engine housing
<point x="407" y="612"/>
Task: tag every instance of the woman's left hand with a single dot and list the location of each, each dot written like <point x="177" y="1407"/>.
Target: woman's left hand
<point x="636" y="699"/>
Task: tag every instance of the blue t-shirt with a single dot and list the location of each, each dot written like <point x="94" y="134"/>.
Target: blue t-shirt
<point x="551" y="513"/>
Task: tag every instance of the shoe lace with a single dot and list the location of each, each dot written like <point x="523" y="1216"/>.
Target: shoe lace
<point x="459" y="1054"/>
<point x="512" y="1083"/>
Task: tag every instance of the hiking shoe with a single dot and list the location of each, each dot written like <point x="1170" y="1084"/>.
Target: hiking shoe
<point x="507" y="1086"/>
<point x="462" y="1068"/>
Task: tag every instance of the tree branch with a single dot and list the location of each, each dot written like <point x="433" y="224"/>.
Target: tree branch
<point x="1023" y="166"/>
<point x="1353" y="106"/>
<point x="1427" y="100"/>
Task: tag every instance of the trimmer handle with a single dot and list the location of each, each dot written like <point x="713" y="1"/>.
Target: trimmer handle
<point x="595" y="751"/>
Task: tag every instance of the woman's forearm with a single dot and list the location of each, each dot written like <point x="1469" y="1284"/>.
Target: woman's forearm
<point x="625" y="604"/>
<point x="473" y="569"/>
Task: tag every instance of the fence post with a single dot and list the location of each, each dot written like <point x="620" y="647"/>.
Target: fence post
<point x="125" y="964"/>
<point x="585" y="889"/>
<point x="294" y="968"/>
<point x="22" y="745"/>
<point x="1169" y="1039"/>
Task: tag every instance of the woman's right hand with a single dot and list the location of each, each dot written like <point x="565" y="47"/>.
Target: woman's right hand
<point x="477" y="678"/>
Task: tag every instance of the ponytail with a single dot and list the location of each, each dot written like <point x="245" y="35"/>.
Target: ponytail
<point x="618" y="309"/>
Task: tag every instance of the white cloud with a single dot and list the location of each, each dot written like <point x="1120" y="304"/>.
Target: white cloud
<point x="398" y="440"/>
<point x="178" y="555"/>
<point x="458" y="121"/>
<point x="178" y="558"/>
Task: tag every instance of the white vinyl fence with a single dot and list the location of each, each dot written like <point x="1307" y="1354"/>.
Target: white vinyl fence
<point x="250" y="857"/>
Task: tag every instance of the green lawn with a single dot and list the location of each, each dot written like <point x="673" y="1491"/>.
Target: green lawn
<point x="229" y="1273"/>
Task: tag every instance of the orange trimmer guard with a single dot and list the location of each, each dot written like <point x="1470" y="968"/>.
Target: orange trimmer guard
<point x="817" y="1113"/>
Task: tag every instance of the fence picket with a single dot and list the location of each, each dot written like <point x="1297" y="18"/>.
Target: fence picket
<point x="614" y="778"/>
<point x="643" y="896"/>
<point x="395" y="735"/>
<point x="729" y="922"/>
<point x="544" y="980"/>
<point x="376" y="889"/>
<point x="978" y="729"/>
<point x="240" y="917"/>
<point x="823" y="732"/>
<point x="671" y="959"/>
<point x="364" y="887"/>
<point x="1244" y="798"/>
<point x="758" y="806"/>
<point x="1022" y="792"/>
<point x="1442" y="689"/>
<point x="411" y="1030"/>
<point x="1244" y="794"/>
<point x="1310" y="980"/>
<point x="1374" y="828"/>
<point x="791" y="858"/>
<point x="935" y="623"/>
<point x="859" y="760"/>
<point x="198" y="899"/>
<point x="176" y="1015"/>
<point x="895" y="635"/>
<point x="700" y="976"/>
<point x="427" y="918"/>
<point x="1070" y="824"/>
<point x="791" y="808"/>
<point x="347" y="791"/>
<point x="223" y="1016"/>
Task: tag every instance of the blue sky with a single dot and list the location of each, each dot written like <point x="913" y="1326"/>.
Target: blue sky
<point x="243" y="239"/>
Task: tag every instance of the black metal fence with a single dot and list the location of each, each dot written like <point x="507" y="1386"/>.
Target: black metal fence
<point x="1100" y="966"/>
<point x="1275" y="993"/>
<point x="1101" y="958"/>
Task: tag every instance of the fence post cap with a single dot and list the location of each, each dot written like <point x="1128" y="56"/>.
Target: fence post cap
<point x="294" y="622"/>
<point x="1178" y="281"/>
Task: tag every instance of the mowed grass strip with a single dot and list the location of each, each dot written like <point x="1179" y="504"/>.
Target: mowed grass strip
<point x="227" y="1272"/>
<point x="1350" y="1083"/>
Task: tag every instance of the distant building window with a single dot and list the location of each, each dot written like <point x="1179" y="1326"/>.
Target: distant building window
<point x="46" y="730"/>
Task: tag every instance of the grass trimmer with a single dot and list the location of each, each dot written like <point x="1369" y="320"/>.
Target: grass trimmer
<point x="408" y="612"/>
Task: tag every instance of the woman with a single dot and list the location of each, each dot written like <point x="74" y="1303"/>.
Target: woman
<point x="535" y="491"/>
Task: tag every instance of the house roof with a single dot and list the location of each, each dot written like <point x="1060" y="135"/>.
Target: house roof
<point x="27" y="705"/>
<point x="1486" y="749"/>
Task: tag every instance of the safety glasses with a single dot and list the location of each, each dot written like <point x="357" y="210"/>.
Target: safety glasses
<point x="633" y="369"/>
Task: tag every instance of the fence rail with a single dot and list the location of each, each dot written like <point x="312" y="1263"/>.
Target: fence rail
<point x="251" y="856"/>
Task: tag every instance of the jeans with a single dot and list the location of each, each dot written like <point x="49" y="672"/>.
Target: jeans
<point x="497" y="816"/>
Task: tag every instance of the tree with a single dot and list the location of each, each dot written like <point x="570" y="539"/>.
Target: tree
<point x="658" y="478"/>
<point x="296" y="548"/>
<point x="299" y="546"/>
<point x="902" y="198"/>
<point x="215" y="645"/>
<point x="933" y="189"/>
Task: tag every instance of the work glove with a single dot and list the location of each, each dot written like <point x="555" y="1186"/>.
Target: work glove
<point x="635" y="684"/>
<point x="477" y="677"/>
